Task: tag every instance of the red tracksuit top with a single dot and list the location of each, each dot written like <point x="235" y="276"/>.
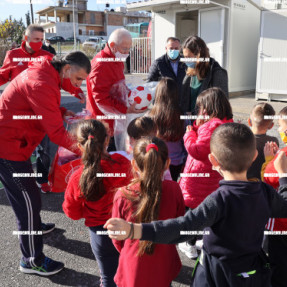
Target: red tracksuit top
<point x="17" y="60"/>
<point x="159" y="269"/>
<point x="96" y="212"/>
<point x="275" y="224"/>
<point x="99" y="82"/>
<point x="35" y="92"/>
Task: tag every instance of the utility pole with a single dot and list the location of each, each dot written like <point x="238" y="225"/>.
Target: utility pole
<point x="32" y="14"/>
<point x="75" y="41"/>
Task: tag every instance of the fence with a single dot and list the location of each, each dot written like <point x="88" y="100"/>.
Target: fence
<point x="63" y="48"/>
<point x="140" y="57"/>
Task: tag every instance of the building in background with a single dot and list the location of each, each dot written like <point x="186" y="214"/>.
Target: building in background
<point x="271" y="81"/>
<point x="230" y="28"/>
<point x="88" y="23"/>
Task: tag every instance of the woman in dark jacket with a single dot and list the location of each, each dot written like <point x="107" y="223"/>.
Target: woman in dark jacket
<point x="201" y="74"/>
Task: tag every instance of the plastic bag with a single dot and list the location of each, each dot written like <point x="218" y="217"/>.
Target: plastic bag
<point x="121" y="125"/>
<point x="60" y="174"/>
<point x="65" y="162"/>
<point x="119" y="91"/>
<point x="84" y="114"/>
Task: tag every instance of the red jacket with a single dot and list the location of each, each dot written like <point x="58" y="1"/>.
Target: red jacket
<point x="159" y="269"/>
<point x="99" y="82"/>
<point x="197" y="145"/>
<point x="96" y="212"/>
<point x="275" y="224"/>
<point x="35" y="92"/>
<point x="16" y="61"/>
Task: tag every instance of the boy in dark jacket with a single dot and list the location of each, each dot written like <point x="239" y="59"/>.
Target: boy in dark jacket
<point x="234" y="216"/>
<point x="260" y="121"/>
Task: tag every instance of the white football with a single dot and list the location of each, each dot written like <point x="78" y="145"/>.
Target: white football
<point x="143" y="95"/>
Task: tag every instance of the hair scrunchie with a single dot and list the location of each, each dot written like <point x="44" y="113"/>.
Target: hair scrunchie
<point x="152" y="145"/>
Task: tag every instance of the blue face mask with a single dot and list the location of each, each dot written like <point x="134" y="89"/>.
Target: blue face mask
<point x="173" y="54"/>
<point x="190" y="64"/>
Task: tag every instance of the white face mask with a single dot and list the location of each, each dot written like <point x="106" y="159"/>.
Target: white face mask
<point x="47" y="44"/>
<point x="120" y="55"/>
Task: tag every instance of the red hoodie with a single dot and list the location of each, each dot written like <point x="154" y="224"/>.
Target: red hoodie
<point x="17" y="60"/>
<point x="35" y="92"/>
<point x="99" y="82"/>
<point x="97" y="212"/>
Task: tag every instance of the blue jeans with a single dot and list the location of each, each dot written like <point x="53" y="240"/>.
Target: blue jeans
<point x="106" y="255"/>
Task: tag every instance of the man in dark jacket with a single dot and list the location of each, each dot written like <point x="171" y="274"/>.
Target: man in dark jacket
<point x="169" y="64"/>
<point x="48" y="47"/>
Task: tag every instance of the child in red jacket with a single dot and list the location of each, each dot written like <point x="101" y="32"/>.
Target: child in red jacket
<point x="277" y="244"/>
<point x="146" y="199"/>
<point x="198" y="179"/>
<point x="90" y="192"/>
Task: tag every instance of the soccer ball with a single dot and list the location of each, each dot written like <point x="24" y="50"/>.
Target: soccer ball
<point x="143" y="95"/>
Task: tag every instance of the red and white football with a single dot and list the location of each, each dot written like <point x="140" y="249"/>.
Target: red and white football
<point x="143" y="95"/>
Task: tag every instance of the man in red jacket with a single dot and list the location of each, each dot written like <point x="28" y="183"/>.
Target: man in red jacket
<point x="15" y="62"/>
<point x="108" y="69"/>
<point x="29" y="109"/>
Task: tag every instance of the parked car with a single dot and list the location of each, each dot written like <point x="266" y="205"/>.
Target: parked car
<point x="56" y="39"/>
<point x="97" y="43"/>
<point x="71" y="39"/>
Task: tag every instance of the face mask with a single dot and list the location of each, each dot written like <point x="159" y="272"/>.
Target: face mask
<point x="120" y="55"/>
<point x="35" y="46"/>
<point x="191" y="64"/>
<point x="173" y="54"/>
<point x="47" y="44"/>
<point x="283" y="137"/>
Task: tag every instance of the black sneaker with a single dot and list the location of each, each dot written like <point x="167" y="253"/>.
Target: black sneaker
<point x="47" y="227"/>
<point x="49" y="267"/>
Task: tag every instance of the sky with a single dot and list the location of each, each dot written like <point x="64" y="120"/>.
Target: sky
<point x="18" y="8"/>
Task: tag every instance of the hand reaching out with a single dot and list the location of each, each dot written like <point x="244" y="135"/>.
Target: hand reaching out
<point x="119" y="229"/>
<point x="189" y="128"/>
<point x="82" y="97"/>
<point x="270" y="149"/>
<point x="132" y="109"/>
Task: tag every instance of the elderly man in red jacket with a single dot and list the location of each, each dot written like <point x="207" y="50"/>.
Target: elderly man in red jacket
<point x="15" y="62"/>
<point x="108" y="69"/>
<point x="29" y="109"/>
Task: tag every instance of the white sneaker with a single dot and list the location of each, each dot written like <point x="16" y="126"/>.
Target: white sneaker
<point x="189" y="250"/>
<point x="199" y="244"/>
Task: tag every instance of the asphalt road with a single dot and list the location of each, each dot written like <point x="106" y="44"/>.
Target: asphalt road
<point x="69" y="242"/>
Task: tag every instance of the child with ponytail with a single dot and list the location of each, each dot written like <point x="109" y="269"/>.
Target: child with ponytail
<point x="90" y="193"/>
<point x="146" y="199"/>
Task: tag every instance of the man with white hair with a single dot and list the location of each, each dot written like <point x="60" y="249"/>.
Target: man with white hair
<point x="108" y="69"/>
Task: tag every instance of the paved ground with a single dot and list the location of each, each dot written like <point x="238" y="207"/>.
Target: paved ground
<point x="70" y="241"/>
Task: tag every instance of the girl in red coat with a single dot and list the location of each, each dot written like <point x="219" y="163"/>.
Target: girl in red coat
<point x="198" y="179"/>
<point x="90" y="192"/>
<point x="146" y="199"/>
